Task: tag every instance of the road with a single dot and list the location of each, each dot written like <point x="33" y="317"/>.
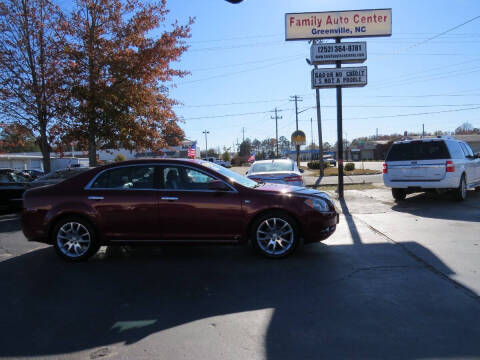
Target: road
<point x="396" y="281"/>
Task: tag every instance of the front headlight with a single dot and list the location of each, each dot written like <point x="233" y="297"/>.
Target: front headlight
<point x="317" y="204"/>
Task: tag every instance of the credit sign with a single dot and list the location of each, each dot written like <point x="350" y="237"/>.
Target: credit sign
<point x="338" y="24"/>
<point x="346" y="52"/>
<point x="344" y="77"/>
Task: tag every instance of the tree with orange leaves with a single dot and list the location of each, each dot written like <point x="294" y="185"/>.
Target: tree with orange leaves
<point x="31" y="64"/>
<point x="117" y="74"/>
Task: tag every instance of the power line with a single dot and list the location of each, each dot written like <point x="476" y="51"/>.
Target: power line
<point x="445" y="32"/>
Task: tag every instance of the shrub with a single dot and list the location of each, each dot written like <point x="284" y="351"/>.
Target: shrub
<point x="349" y="166"/>
<point x="315" y="165"/>
<point x="119" y="157"/>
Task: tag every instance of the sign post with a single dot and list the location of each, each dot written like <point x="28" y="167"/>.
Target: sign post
<point x="337" y="25"/>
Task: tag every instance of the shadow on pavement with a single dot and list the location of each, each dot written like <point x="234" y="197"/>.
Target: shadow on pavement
<point x="328" y="301"/>
<point x="438" y="206"/>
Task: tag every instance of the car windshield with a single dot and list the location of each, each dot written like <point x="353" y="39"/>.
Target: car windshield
<point x="272" y="166"/>
<point x="242" y="180"/>
<point x="418" y="150"/>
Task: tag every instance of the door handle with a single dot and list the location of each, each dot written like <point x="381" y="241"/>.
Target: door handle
<point x="169" y="198"/>
<point x="95" y="198"/>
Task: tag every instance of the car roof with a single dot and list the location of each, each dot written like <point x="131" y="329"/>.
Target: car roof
<point x="272" y="160"/>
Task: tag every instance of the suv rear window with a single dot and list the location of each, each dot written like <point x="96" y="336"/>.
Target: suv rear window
<point x="418" y="150"/>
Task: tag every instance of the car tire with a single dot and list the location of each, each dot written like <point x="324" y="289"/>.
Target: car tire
<point x="399" y="194"/>
<point x="74" y="239"/>
<point x="460" y="193"/>
<point x="275" y="235"/>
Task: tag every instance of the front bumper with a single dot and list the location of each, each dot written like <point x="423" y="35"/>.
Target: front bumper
<point x="320" y="227"/>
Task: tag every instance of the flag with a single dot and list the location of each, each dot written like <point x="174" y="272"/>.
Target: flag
<point x="252" y="157"/>
<point x="192" y="150"/>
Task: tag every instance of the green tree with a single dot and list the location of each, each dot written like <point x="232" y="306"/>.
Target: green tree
<point x="226" y="154"/>
<point x="119" y="157"/>
<point x="245" y="148"/>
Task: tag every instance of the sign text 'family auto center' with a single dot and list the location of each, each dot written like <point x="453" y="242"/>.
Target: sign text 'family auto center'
<point x="334" y="24"/>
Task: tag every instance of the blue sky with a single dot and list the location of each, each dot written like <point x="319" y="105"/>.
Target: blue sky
<point x="242" y="68"/>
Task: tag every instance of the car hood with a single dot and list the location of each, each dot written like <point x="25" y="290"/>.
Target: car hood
<point x="293" y="190"/>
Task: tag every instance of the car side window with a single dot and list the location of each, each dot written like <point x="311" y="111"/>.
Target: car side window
<point x="126" y="177"/>
<point x="4" y="178"/>
<point x="455" y="150"/>
<point x="469" y="149"/>
<point x="184" y="178"/>
<point x="465" y="149"/>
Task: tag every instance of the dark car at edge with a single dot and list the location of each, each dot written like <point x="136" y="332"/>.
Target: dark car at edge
<point x="174" y="201"/>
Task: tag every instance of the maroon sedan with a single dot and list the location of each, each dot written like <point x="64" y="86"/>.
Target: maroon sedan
<point x="172" y="201"/>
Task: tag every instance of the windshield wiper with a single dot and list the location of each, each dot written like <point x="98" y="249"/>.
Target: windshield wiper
<point x="258" y="184"/>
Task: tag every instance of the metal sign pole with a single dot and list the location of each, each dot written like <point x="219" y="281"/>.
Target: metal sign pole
<point x="339" y="133"/>
<point x="319" y="126"/>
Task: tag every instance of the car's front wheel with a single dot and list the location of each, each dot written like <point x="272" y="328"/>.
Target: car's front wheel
<point x="275" y="235"/>
<point x="74" y="239"/>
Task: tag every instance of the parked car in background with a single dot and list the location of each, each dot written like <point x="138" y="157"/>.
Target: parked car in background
<point x="32" y="173"/>
<point x="57" y="176"/>
<point x="442" y="163"/>
<point x="12" y="186"/>
<point x="221" y="162"/>
<point x="331" y="161"/>
<point x="174" y="201"/>
<point x="279" y="171"/>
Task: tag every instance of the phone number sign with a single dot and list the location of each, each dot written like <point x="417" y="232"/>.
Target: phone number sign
<point x="344" y="77"/>
<point x="347" y="52"/>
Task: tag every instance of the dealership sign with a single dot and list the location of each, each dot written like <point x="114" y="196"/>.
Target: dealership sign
<point x="344" y="77"/>
<point x="347" y="52"/>
<point x="338" y="24"/>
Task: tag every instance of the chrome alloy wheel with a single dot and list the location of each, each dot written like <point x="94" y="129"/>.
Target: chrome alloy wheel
<point x="73" y="239"/>
<point x="275" y="236"/>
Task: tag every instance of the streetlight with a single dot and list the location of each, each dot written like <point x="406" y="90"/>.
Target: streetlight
<point x="206" y="144"/>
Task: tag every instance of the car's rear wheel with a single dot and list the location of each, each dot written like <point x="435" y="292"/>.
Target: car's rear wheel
<point x="275" y="235"/>
<point x="399" y="194"/>
<point x="460" y="193"/>
<point x="74" y="239"/>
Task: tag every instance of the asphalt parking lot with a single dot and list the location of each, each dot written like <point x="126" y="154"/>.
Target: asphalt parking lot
<point x="396" y="281"/>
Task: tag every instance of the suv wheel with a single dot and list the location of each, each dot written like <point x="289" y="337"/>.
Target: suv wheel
<point x="74" y="239"/>
<point x="399" y="194"/>
<point x="461" y="192"/>
<point x="275" y="235"/>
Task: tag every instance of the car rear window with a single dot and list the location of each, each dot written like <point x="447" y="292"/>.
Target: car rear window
<point x="273" y="166"/>
<point x="418" y="150"/>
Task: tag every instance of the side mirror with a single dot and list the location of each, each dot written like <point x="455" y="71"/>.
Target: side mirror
<point x="477" y="155"/>
<point x="301" y="170"/>
<point x="246" y="172"/>
<point x="217" y="185"/>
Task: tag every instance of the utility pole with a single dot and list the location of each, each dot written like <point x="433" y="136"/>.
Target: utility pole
<point x="311" y="131"/>
<point x="339" y="133"/>
<point x="276" y="117"/>
<point x="243" y="131"/>
<point x="297" y="98"/>
<point x="423" y="130"/>
<point x="206" y="144"/>
<point x="376" y="135"/>
<point x="319" y="126"/>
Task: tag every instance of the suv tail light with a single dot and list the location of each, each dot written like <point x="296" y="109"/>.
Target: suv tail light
<point x="385" y="168"/>
<point x="293" y="178"/>
<point x="449" y="166"/>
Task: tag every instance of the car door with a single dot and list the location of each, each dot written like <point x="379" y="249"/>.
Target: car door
<point x="188" y="210"/>
<point x="125" y="199"/>
<point x="475" y="163"/>
<point x="470" y="164"/>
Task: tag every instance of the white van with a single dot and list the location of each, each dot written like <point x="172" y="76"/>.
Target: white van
<point x="431" y="163"/>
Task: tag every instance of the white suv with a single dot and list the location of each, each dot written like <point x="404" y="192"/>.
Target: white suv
<point x="431" y="163"/>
